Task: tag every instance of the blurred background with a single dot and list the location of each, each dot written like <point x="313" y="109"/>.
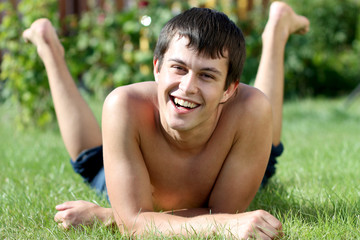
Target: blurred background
<point x="109" y="43"/>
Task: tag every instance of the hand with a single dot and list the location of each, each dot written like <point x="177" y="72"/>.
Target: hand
<point x="75" y="213"/>
<point x="255" y="225"/>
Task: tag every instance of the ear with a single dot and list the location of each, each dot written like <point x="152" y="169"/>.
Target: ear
<point x="230" y="91"/>
<point x="156" y="68"/>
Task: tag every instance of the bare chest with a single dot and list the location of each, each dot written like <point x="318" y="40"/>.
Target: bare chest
<point x="182" y="180"/>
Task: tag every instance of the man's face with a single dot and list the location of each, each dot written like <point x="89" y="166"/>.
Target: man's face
<point x="190" y="87"/>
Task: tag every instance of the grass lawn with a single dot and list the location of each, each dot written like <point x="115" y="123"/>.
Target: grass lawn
<point x="315" y="193"/>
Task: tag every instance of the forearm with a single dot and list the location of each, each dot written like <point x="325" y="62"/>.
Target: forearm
<point x="257" y="224"/>
<point x="172" y="224"/>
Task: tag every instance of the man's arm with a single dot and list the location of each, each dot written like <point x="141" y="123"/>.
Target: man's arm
<point x="244" y="167"/>
<point x="129" y="186"/>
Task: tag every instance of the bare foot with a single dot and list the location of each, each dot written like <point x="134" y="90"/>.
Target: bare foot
<point x="283" y="21"/>
<point x="75" y="213"/>
<point x="42" y="34"/>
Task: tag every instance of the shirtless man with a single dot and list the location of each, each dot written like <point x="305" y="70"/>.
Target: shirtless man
<point x="187" y="152"/>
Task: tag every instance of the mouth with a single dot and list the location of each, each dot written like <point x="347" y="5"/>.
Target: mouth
<point x="181" y="103"/>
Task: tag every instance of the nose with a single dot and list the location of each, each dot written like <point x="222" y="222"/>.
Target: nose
<point x="188" y="84"/>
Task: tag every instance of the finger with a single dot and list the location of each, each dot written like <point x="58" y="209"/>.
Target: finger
<point x="259" y="235"/>
<point x="64" y="206"/>
<point x="63" y="225"/>
<point x="272" y="226"/>
<point x="273" y="221"/>
<point x="61" y="207"/>
<point x="58" y="217"/>
<point x="268" y="231"/>
<point x="61" y="220"/>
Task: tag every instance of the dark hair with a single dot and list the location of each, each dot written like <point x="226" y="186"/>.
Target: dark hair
<point x="210" y="33"/>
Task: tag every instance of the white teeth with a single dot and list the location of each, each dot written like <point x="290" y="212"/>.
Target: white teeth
<point x="184" y="103"/>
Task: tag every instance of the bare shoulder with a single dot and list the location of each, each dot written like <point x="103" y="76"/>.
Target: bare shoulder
<point x="250" y="105"/>
<point x="131" y="94"/>
<point x="129" y="103"/>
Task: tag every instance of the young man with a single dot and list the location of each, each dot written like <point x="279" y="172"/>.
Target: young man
<point x="186" y="153"/>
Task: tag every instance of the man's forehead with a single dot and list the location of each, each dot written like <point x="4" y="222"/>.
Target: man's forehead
<point x="185" y="41"/>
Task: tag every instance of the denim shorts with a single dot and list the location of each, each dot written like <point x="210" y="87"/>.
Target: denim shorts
<point x="276" y="152"/>
<point x="89" y="165"/>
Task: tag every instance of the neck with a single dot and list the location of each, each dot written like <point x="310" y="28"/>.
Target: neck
<point x="193" y="140"/>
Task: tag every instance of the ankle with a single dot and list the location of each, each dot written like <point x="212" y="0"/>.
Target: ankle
<point x="274" y="34"/>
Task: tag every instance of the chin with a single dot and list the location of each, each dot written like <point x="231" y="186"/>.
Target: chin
<point x="178" y="125"/>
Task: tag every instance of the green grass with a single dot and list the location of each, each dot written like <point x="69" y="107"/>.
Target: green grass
<point x="315" y="193"/>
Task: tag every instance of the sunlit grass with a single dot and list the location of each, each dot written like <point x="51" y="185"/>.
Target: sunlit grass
<point x="315" y="193"/>
<point x="316" y="190"/>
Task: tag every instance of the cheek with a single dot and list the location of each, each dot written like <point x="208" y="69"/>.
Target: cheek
<point x="169" y="81"/>
<point x="212" y="92"/>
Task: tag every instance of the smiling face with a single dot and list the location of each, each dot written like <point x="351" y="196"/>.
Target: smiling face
<point x="190" y="87"/>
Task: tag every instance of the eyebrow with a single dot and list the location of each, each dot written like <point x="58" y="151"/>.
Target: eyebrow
<point x="209" y="69"/>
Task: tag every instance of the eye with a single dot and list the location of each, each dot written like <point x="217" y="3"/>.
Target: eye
<point x="207" y="76"/>
<point x="178" y="69"/>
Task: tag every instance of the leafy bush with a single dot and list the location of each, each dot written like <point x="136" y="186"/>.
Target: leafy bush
<point x="21" y="69"/>
<point x="106" y="49"/>
<point x="326" y="61"/>
<point x="330" y="60"/>
<point x="102" y="51"/>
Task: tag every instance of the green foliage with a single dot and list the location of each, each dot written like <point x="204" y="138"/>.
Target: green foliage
<point x="108" y="45"/>
<point x="22" y="72"/>
<point x="103" y="50"/>
<point x="326" y="61"/>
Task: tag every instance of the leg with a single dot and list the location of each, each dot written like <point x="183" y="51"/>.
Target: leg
<point x="283" y="22"/>
<point x="78" y="126"/>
